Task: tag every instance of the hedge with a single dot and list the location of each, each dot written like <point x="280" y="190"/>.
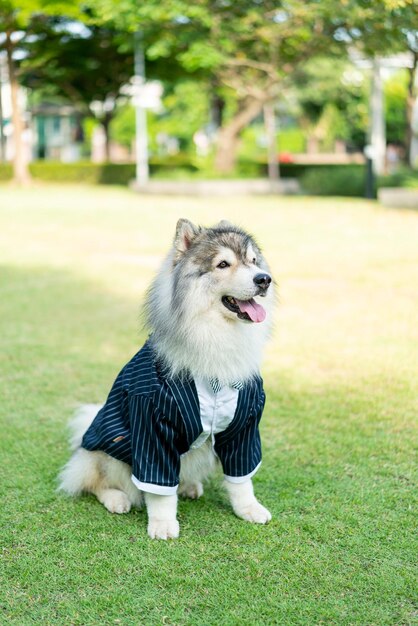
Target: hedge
<point x="6" y="171"/>
<point x="95" y="173"/>
<point x="83" y="172"/>
<point x="343" y="180"/>
<point x="404" y="177"/>
<point x="334" y="180"/>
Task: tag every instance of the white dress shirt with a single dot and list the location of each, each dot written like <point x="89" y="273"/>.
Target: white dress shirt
<point x="217" y="411"/>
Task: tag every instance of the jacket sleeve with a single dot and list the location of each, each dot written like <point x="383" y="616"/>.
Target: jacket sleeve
<point x="240" y="455"/>
<point x="155" y="450"/>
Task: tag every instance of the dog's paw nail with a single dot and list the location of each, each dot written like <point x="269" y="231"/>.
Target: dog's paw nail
<point x="255" y="513"/>
<point x="163" y="529"/>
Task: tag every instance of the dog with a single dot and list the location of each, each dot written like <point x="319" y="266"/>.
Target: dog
<point x="192" y="397"/>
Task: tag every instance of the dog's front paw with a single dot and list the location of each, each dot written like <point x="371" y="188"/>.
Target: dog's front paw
<point x="163" y="529"/>
<point x="255" y="513"/>
<point x="190" y="490"/>
<point x="115" y="501"/>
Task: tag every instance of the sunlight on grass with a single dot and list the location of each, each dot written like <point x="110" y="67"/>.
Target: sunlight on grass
<point x="341" y="375"/>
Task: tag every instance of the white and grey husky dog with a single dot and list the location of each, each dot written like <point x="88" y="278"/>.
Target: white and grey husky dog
<point x="192" y="396"/>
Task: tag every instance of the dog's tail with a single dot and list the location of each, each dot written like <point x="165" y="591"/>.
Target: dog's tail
<point x="81" y="472"/>
<point x="82" y="419"/>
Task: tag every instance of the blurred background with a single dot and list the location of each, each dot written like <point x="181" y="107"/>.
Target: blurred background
<point x="318" y="95"/>
<point x="293" y="100"/>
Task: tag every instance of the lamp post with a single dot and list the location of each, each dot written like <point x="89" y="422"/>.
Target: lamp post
<point x="141" y="138"/>
<point x="272" y="156"/>
<point x="2" y="137"/>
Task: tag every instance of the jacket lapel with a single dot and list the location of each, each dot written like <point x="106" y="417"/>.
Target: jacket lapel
<point x="242" y="413"/>
<point x="185" y="395"/>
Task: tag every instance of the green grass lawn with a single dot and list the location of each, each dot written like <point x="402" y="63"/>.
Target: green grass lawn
<point x="341" y="375"/>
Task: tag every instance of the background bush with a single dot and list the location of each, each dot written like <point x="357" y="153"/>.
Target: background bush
<point x="335" y="180"/>
<point x="99" y="173"/>
<point x="402" y="178"/>
<point x="338" y="180"/>
<point x="6" y="171"/>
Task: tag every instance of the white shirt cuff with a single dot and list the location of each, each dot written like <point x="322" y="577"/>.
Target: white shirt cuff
<point x="159" y="490"/>
<point x="242" y="479"/>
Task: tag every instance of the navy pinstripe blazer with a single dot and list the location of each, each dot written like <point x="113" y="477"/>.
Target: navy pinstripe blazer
<point x="150" y="420"/>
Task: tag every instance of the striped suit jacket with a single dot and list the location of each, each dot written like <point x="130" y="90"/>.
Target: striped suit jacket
<point x="149" y="420"/>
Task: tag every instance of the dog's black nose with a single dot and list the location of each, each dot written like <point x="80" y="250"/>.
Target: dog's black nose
<point x="262" y="280"/>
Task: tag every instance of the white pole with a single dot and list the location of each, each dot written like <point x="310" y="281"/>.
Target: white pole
<point x="141" y="137"/>
<point x="271" y="135"/>
<point x="378" y="129"/>
<point x="2" y="137"/>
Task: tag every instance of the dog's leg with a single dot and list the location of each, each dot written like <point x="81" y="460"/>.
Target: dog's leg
<point x="245" y="504"/>
<point x="115" y="500"/>
<point x="196" y="466"/>
<point x="191" y="490"/>
<point x="98" y="473"/>
<point x="162" y="516"/>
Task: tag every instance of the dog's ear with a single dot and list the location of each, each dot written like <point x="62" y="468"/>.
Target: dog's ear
<point x="185" y="233"/>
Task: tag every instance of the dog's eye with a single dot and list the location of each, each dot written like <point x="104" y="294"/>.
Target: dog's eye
<point x="254" y="260"/>
<point x="222" y="265"/>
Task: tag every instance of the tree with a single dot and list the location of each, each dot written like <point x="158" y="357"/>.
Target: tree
<point x="383" y="28"/>
<point x="84" y="65"/>
<point x="184" y="111"/>
<point x="396" y="94"/>
<point x="250" y="47"/>
<point x="15" y="22"/>
<point x="333" y="96"/>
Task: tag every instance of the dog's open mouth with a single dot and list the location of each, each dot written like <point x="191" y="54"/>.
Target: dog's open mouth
<point x="248" y="310"/>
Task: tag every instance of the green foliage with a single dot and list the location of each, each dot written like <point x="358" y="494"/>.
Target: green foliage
<point x="212" y="42"/>
<point x="81" y="67"/>
<point x="89" y="124"/>
<point x="6" y="171"/>
<point x="103" y="173"/>
<point x="334" y="98"/>
<point x="122" y="127"/>
<point x="332" y="125"/>
<point x="185" y="110"/>
<point x="252" y="142"/>
<point x="338" y="180"/>
<point x="404" y="177"/>
<point x="291" y="140"/>
<point x="343" y="180"/>
<point x="396" y="92"/>
<point x="17" y="14"/>
<point x="84" y="172"/>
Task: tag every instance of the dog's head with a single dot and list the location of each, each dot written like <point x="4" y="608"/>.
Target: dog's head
<point x="220" y="269"/>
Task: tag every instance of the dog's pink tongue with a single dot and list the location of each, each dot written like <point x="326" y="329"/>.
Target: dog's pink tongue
<point x="255" y="311"/>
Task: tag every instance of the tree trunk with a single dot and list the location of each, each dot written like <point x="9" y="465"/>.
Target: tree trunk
<point x="228" y="136"/>
<point x="410" y="101"/>
<point x="217" y="107"/>
<point x="20" y="167"/>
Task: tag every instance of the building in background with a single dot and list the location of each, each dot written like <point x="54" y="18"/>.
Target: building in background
<point x="57" y="133"/>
